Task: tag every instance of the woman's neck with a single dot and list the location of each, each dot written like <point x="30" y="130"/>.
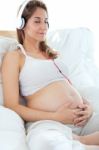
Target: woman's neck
<point x="31" y="46"/>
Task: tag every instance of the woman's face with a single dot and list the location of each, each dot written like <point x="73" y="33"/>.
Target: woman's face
<point x="37" y="26"/>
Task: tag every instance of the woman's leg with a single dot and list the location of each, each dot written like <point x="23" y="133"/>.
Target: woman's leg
<point x="91" y="139"/>
<point x="51" y="135"/>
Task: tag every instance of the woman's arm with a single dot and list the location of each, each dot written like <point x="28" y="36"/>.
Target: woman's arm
<point x="10" y="77"/>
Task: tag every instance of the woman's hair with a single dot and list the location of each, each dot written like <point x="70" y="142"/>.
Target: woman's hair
<point x="28" y="11"/>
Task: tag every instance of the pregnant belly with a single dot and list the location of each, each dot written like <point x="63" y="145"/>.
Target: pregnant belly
<point x="53" y="96"/>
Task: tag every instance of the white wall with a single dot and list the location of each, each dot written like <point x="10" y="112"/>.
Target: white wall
<point x="8" y="14"/>
<point x="62" y="14"/>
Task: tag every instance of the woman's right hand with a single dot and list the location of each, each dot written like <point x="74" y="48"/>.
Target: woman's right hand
<point x="65" y="114"/>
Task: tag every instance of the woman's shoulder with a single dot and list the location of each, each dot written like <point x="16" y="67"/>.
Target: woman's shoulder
<point x="11" y="56"/>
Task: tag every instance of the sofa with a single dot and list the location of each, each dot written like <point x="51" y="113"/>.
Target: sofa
<point x="76" y="47"/>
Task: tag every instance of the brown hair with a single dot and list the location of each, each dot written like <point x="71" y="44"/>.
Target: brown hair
<point x="28" y="11"/>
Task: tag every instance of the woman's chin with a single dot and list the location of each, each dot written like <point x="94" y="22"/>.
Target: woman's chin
<point x="42" y="39"/>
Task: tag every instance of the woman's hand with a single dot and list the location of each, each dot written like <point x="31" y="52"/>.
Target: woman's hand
<point x="66" y="115"/>
<point x="85" y="113"/>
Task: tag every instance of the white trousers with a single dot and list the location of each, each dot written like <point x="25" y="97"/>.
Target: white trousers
<point x="53" y="135"/>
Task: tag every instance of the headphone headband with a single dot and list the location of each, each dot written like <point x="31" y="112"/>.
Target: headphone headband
<point x="20" y="19"/>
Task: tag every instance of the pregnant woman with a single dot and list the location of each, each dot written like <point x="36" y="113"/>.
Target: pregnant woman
<point x="36" y="72"/>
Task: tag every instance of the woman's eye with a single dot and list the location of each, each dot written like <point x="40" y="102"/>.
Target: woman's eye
<point x="46" y="22"/>
<point x="37" y="21"/>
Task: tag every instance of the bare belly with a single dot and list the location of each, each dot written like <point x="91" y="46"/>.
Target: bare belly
<point x="53" y="96"/>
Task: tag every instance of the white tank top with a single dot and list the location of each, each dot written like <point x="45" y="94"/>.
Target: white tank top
<point x="38" y="73"/>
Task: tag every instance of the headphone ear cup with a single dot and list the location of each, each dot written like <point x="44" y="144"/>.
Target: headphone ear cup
<point x="23" y="23"/>
<point x="20" y="23"/>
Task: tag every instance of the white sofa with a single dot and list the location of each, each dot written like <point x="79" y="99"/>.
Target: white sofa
<point x="76" y="48"/>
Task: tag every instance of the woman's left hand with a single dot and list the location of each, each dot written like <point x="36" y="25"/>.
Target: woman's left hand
<point x="85" y="113"/>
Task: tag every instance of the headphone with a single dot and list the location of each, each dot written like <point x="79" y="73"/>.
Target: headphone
<point x="20" y="19"/>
